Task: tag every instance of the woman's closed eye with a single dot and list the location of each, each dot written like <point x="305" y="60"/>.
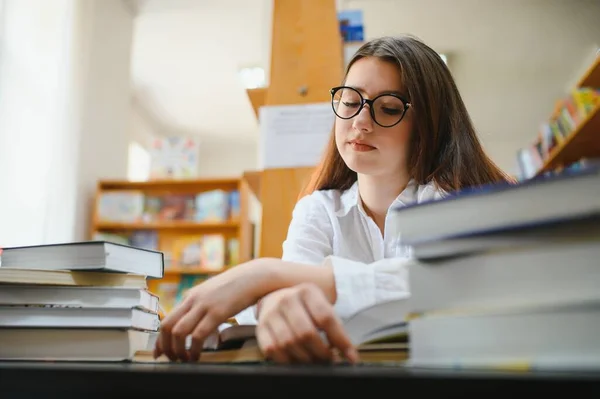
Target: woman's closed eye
<point x="391" y="110"/>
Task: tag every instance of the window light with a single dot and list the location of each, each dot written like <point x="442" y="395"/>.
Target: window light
<point x="252" y="77"/>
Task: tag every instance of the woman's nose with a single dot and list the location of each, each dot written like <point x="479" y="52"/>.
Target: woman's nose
<point x="363" y="121"/>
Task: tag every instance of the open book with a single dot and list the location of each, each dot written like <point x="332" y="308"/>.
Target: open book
<point x="379" y="332"/>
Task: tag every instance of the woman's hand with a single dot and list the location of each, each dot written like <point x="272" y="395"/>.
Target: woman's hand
<point x="290" y="322"/>
<point x="208" y="305"/>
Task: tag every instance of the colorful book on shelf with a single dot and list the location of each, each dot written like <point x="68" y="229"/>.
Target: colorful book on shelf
<point x="125" y="206"/>
<point x="570" y="116"/>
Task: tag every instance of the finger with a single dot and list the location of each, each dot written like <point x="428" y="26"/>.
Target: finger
<point x="286" y="339"/>
<point x="267" y="344"/>
<point x="183" y="328"/>
<point x="325" y="318"/>
<point x="203" y="328"/>
<point x="275" y="351"/>
<point x="167" y="325"/>
<point x="309" y="344"/>
<point x="157" y="349"/>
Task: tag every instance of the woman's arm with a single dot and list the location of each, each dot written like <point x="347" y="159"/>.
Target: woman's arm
<point x="308" y="242"/>
<point x="348" y="285"/>
<point x="308" y="258"/>
<point x="300" y="307"/>
<point x="285" y="274"/>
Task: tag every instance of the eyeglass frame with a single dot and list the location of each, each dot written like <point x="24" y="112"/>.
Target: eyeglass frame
<point x="407" y="104"/>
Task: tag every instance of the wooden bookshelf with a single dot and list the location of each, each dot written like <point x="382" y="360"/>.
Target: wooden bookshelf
<point x="584" y="140"/>
<point x="168" y="225"/>
<point x="591" y="78"/>
<point x="239" y="227"/>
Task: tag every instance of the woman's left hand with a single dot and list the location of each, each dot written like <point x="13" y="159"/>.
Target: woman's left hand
<point x="208" y="305"/>
<point x="290" y="324"/>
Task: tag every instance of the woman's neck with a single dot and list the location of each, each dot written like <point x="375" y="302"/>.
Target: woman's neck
<point x="377" y="194"/>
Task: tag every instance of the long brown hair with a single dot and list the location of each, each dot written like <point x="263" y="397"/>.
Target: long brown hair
<point x="444" y="147"/>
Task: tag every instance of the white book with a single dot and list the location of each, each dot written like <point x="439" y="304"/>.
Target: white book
<point x="53" y="317"/>
<point x="497" y="207"/>
<point x="552" y="337"/>
<point x="85" y="255"/>
<point x="78" y="297"/>
<point x="547" y="273"/>
<point x="73" y="344"/>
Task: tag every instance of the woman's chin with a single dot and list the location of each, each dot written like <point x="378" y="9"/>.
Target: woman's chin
<point x="363" y="166"/>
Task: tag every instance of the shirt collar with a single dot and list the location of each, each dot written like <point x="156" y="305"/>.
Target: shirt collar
<point x="351" y="198"/>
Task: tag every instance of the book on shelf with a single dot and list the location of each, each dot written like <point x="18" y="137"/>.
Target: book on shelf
<point x="85" y="255"/>
<point x="577" y="113"/>
<point x="134" y="206"/>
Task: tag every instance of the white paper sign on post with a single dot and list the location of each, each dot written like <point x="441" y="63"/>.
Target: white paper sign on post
<point x="294" y="135"/>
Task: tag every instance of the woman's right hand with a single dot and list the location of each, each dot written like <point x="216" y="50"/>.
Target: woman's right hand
<point x="290" y="324"/>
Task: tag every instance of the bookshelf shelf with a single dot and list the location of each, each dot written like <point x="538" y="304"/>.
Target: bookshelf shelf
<point x="176" y="218"/>
<point x="167" y="226"/>
<point x="572" y="133"/>
<point x="171" y="185"/>
<point x="583" y="142"/>
<point x="591" y="78"/>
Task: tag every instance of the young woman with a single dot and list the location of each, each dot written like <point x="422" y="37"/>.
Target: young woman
<point x="402" y="135"/>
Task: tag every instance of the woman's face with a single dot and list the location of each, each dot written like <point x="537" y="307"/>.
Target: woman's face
<point x="366" y="147"/>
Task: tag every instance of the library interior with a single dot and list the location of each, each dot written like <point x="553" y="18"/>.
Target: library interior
<point x="176" y="184"/>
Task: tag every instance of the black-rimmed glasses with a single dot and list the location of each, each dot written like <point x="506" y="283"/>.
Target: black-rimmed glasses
<point x="386" y="109"/>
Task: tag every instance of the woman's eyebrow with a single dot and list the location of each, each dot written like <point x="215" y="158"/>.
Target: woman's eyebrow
<point x="396" y="92"/>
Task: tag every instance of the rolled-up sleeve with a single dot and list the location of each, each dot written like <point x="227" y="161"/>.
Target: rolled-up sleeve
<point x="309" y="241"/>
<point x="359" y="285"/>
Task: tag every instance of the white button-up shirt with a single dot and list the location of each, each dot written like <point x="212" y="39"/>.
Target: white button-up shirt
<point x="330" y="227"/>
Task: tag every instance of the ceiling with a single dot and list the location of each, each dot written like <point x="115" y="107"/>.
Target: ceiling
<point x="185" y="61"/>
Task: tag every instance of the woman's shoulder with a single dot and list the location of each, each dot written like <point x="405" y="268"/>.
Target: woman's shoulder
<point x="430" y="191"/>
<point x="330" y="201"/>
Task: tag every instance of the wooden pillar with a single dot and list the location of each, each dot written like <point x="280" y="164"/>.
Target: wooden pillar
<point x="306" y="61"/>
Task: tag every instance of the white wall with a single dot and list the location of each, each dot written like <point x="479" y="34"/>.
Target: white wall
<point x="104" y="132"/>
<point x="64" y="108"/>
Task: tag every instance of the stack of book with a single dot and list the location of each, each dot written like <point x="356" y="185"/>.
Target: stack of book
<point x="507" y="276"/>
<point x="83" y="301"/>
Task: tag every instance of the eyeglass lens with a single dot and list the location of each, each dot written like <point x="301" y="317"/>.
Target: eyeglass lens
<point x="387" y="109"/>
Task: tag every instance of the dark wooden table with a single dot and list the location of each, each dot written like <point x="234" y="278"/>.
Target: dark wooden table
<point x="33" y="379"/>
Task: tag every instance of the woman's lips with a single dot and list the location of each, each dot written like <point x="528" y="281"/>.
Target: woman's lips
<point x="360" y="146"/>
